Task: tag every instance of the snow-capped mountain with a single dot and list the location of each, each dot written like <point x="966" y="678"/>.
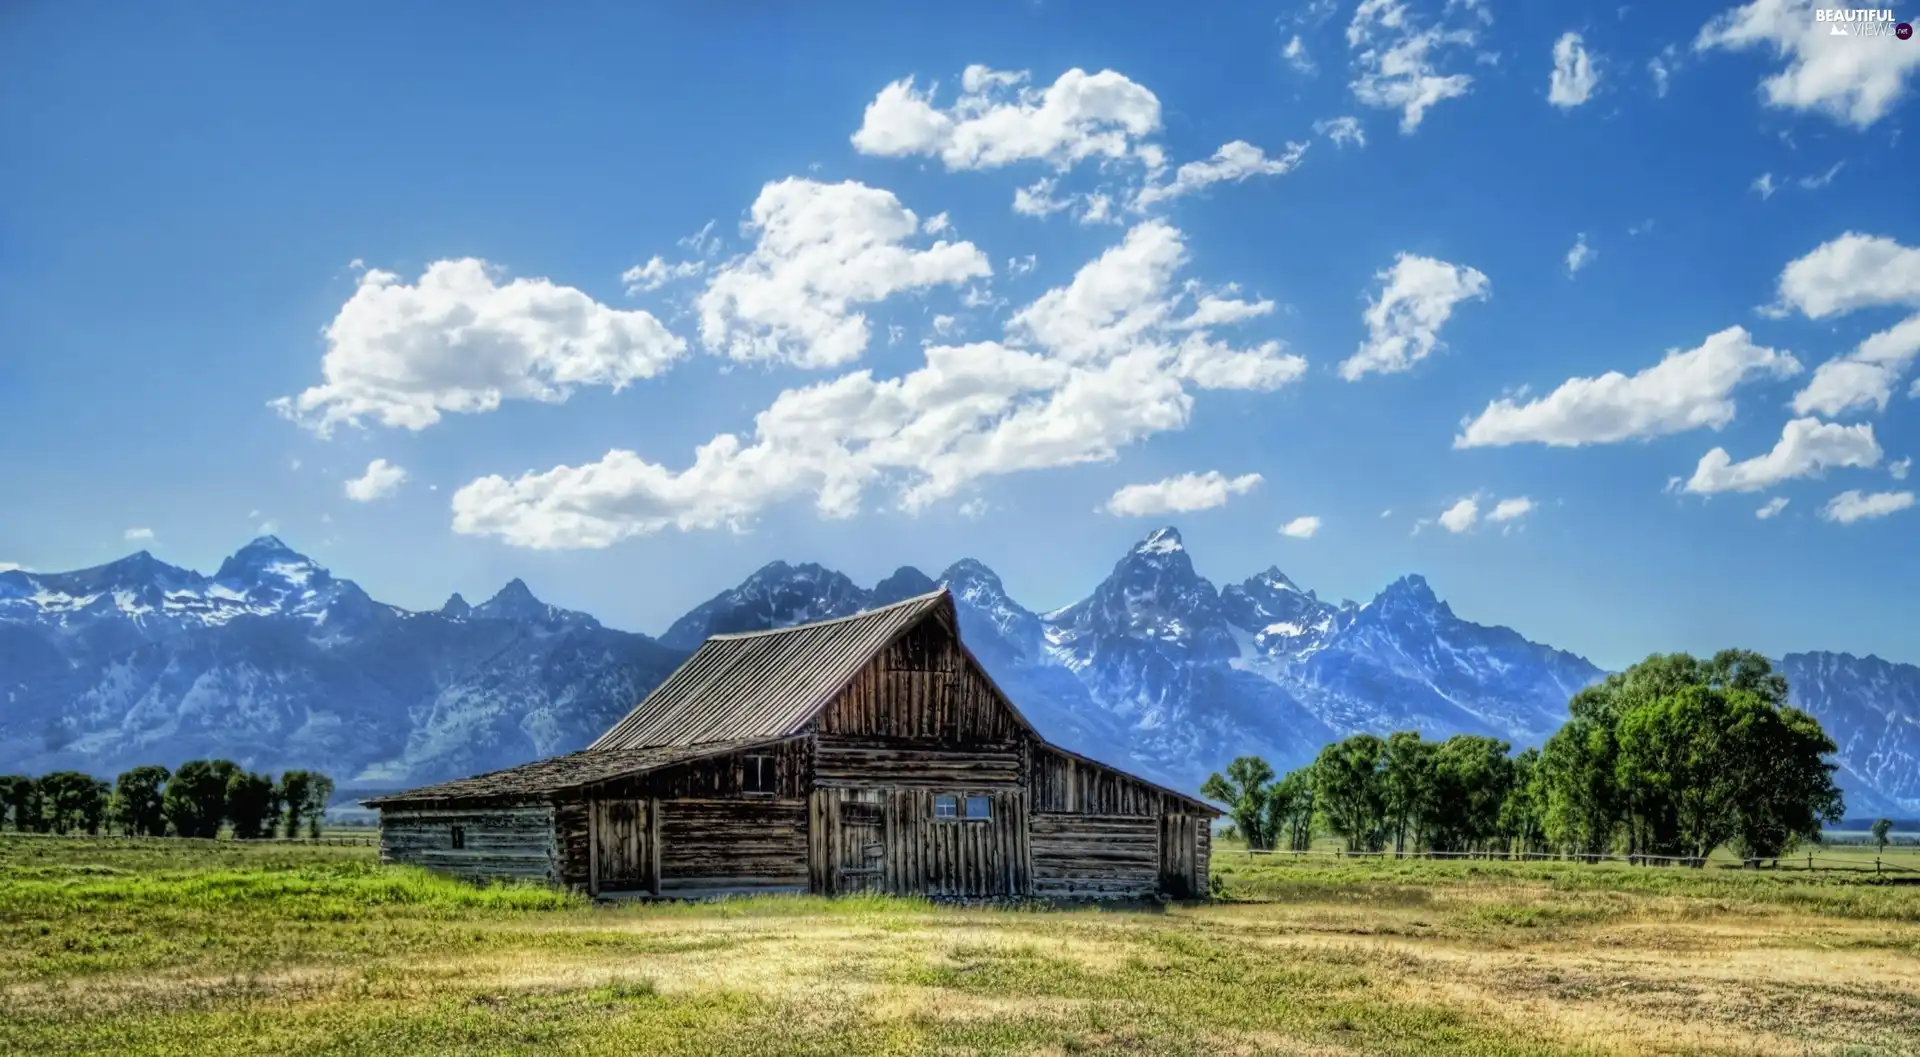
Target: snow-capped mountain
<point x="274" y="662"/>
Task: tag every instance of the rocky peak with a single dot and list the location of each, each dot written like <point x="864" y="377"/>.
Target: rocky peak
<point x="777" y="595"/>
<point x="456" y="608"/>
<point x="906" y="582"/>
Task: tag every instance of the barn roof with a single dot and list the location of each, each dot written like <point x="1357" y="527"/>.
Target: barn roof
<point x="544" y="777"/>
<point x="764" y="684"/>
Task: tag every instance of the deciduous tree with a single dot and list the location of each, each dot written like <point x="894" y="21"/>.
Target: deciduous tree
<point x="1244" y="789"/>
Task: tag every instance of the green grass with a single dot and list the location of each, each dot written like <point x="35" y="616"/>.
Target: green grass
<point x="155" y="948"/>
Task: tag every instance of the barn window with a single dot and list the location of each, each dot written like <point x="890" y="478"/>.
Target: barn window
<point x="459" y="837"/>
<point x="946" y="805"/>
<point x="979" y="807"/>
<point x="758" y="780"/>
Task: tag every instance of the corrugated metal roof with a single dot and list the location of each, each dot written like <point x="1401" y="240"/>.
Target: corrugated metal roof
<point x="764" y="684"/>
<point x="545" y="777"/>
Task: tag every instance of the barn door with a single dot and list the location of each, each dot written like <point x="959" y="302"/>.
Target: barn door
<point x="623" y="846"/>
<point x="860" y="845"/>
<point x="1179" y="856"/>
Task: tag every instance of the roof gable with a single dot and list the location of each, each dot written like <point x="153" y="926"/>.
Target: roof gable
<point x="766" y="684"/>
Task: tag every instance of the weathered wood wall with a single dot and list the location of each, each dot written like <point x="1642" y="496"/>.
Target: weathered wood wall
<point x="501" y="842"/>
<point x="1095" y="856"/>
<point x="1183" y="870"/>
<point x="713" y="845"/>
<point x="921" y="689"/>
<point x="1066" y="785"/>
<point x="888" y="840"/>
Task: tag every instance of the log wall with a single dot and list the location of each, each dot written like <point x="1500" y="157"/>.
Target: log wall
<point x="500" y="842"/>
<point x="1095" y="856"/>
<point x="888" y="840"/>
<point x="844" y="761"/>
<point x="1064" y="784"/>
<point x="711" y="845"/>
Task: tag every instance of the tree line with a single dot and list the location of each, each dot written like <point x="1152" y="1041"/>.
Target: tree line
<point x="1672" y="758"/>
<point x="151" y="801"/>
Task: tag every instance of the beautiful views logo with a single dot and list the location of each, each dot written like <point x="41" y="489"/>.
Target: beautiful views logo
<point x="1862" y="22"/>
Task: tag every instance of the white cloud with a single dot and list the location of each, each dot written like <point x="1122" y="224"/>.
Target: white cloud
<point x="1662" y="67"/>
<point x="1864" y="377"/>
<point x="1083" y="371"/>
<point x="1814" y="183"/>
<point x="1342" y="131"/>
<point x="1641" y="228"/>
<point x="657" y="273"/>
<point x="1179" y="495"/>
<point x="1041" y="200"/>
<point x="1899" y="467"/>
<point x="1395" y="62"/>
<point x="1807" y="446"/>
<point x="946" y="326"/>
<point x="13" y="567"/>
<point x="1764" y="186"/>
<point x="267" y="528"/>
<point x="973" y="509"/>
<point x="821" y="250"/>
<point x="458" y="341"/>
<point x="1236" y="161"/>
<point x="1301" y="528"/>
<point x="1511" y="509"/>
<point x="1019" y="266"/>
<point x="703" y="242"/>
<point x="138" y="534"/>
<point x="1771" y="508"/>
<point x="1461" y="516"/>
<point x="1688" y="389"/>
<point x="1580" y="255"/>
<point x="1000" y="119"/>
<point x="1574" y="76"/>
<point x="1296" y="55"/>
<point x="1850" y="272"/>
<point x="936" y="224"/>
<point x="1417" y="297"/>
<point x="381" y="479"/>
<point x="1387" y="513"/>
<point x="1851" y="80"/>
<point x="1852" y="505"/>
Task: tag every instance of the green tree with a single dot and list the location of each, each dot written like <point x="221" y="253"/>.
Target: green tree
<point x="1349" y="791"/>
<point x="253" y="804"/>
<point x="1581" y="801"/>
<point x="319" y="792"/>
<point x="1779" y="755"/>
<point x="70" y="800"/>
<point x="1881" y="827"/>
<point x="1471" y="777"/>
<point x="27" y="806"/>
<point x="295" y="788"/>
<point x="1407" y="784"/>
<point x="1290" y="810"/>
<point x="195" y="801"/>
<point x="18" y="816"/>
<point x="137" y="801"/>
<point x="1244" y="789"/>
<point x="1523" y="812"/>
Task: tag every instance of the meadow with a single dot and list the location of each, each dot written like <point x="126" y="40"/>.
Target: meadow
<point x="190" y="947"/>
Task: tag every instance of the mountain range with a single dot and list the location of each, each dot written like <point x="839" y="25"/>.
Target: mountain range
<point x="274" y="662"/>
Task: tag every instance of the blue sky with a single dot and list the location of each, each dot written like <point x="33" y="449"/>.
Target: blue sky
<point x="246" y="252"/>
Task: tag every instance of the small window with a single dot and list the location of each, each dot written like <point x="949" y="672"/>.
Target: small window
<point x="459" y="837"/>
<point x="758" y="780"/>
<point x="979" y="807"/>
<point x="946" y="805"/>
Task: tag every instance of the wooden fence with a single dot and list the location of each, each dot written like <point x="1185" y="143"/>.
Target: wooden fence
<point x="1810" y="862"/>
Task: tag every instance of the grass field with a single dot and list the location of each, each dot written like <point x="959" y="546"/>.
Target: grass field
<point x="191" y="947"/>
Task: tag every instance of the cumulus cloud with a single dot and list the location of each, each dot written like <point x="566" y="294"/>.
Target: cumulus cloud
<point x="1853" y="81"/>
<point x="1461" y="516"/>
<point x="1081" y="372"/>
<point x="1853" y="505"/>
<point x="1301" y="528"/>
<point x="459" y="340"/>
<point x="138" y="534"/>
<point x="1179" y="495"/>
<point x="1000" y="119"/>
<point x="1580" y="255"/>
<point x="1850" y="272"/>
<point x="820" y="251"/>
<point x="1807" y="447"/>
<point x="1417" y="297"/>
<point x="1511" y="509"/>
<point x="381" y="479"/>
<point x="1342" y="131"/>
<point x="1864" y="377"/>
<point x="1396" y="61"/>
<point x="1688" y="389"/>
<point x="1236" y="161"/>
<point x="1574" y="76"/>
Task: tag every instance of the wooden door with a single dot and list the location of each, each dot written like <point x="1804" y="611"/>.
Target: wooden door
<point x="860" y="842"/>
<point x="624" y="851"/>
<point x="1179" y="856"/>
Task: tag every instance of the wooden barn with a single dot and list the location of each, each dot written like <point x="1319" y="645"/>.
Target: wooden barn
<point x="869" y="753"/>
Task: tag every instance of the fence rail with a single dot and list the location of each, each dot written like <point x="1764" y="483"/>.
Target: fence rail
<point x="1792" y="862"/>
<point x="368" y="841"/>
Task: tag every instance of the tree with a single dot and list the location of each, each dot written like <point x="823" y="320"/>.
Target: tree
<point x="1348" y="788"/>
<point x="253" y="804"/>
<point x="319" y="791"/>
<point x="195" y="801"/>
<point x="1523" y="812"/>
<point x="137" y="801"/>
<point x="1407" y="784"/>
<point x="1290" y="810"/>
<point x="295" y="788"/>
<point x="16" y="802"/>
<point x="1245" y="792"/>
<point x="94" y="814"/>
<point x="1881" y="827"/>
<point x="1581" y="801"/>
<point x="1786" y="787"/>
<point x="70" y="800"/>
<point x="1471" y="775"/>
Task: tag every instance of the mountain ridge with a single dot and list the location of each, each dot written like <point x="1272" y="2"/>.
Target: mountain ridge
<point x="275" y="662"/>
